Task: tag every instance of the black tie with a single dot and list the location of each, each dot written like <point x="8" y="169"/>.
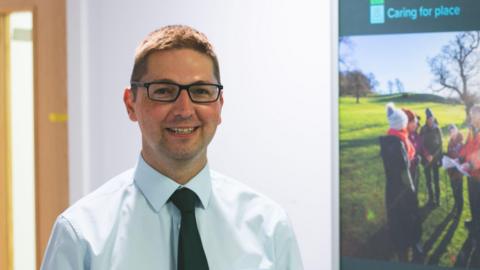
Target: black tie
<point x="190" y="250"/>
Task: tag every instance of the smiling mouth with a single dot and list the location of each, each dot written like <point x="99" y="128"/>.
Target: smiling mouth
<point x="182" y="130"/>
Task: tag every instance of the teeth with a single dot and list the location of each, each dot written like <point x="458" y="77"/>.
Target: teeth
<point x="182" y="130"/>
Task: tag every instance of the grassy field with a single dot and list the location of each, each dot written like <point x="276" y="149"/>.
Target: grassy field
<point x="362" y="181"/>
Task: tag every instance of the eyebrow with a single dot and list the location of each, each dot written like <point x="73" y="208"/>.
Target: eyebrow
<point x="172" y="81"/>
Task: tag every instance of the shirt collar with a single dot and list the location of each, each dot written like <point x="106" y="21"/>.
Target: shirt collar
<point x="157" y="188"/>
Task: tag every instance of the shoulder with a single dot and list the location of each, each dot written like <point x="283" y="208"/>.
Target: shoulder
<point x="96" y="207"/>
<point x="390" y="141"/>
<point x="391" y="147"/>
<point x="86" y="224"/>
<point x="234" y="194"/>
<point x="257" y="220"/>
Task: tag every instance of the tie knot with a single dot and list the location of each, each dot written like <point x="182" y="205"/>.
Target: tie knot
<point x="184" y="199"/>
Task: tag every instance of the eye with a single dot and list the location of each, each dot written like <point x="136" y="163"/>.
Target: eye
<point x="200" y="91"/>
<point x="163" y="89"/>
<point x="203" y="90"/>
<point x="160" y="91"/>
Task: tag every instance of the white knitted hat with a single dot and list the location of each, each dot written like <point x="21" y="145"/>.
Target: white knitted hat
<point x="396" y="118"/>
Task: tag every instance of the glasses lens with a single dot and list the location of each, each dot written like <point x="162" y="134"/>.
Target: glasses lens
<point x="203" y="93"/>
<point x="163" y="91"/>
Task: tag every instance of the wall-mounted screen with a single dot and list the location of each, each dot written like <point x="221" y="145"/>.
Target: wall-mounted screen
<point x="409" y="134"/>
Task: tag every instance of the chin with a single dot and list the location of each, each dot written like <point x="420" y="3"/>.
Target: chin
<point x="184" y="154"/>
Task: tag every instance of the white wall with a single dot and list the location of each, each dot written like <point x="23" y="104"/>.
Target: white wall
<point x="274" y="141"/>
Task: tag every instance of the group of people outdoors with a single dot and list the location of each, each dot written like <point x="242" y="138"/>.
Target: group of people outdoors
<point x="406" y="145"/>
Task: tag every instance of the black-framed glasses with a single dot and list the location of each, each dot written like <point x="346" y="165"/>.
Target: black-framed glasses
<point x="167" y="91"/>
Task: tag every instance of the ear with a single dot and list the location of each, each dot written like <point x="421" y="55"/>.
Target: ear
<point x="129" y="101"/>
<point x="221" y="106"/>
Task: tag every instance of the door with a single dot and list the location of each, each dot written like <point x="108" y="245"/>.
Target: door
<point x="49" y="153"/>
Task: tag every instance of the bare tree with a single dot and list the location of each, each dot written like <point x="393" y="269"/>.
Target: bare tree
<point x="373" y="82"/>
<point x="455" y="68"/>
<point x="353" y="81"/>
<point x="390" y="87"/>
<point x="345" y="46"/>
<point x="399" y="86"/>
<point x="356" y="83"/>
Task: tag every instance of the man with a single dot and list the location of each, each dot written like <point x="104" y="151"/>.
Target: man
<point x="470" y="154"/>
<point x="432" y="155"/>
<point x="172" y="211"/>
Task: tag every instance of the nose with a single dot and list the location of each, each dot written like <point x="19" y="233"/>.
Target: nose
<point x="183" y="106"/>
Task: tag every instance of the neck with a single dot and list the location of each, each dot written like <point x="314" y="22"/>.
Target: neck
<point x="180" y="171"/>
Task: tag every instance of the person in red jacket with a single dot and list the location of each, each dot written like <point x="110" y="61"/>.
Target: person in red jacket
<point x="470" y="154"/>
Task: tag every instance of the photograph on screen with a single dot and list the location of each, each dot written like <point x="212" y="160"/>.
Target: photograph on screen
<point x="409" y="135"/>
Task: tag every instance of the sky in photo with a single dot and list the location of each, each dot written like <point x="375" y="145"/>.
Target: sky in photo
<point x="402" y="56"/>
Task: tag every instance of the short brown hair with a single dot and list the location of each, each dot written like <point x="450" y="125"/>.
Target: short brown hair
<point x="168" y="38"/>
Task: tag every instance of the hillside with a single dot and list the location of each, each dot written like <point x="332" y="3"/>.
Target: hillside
<point x="413" y="98"/>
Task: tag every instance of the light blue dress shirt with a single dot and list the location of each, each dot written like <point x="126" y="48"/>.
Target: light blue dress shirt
<point x="129" y="223"/>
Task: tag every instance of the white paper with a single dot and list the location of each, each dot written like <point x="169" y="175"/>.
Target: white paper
<point x="448" y="163"/>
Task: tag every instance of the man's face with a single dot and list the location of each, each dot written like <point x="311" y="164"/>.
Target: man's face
<point x="430" y="121"/>
<point x="179" y="130"/>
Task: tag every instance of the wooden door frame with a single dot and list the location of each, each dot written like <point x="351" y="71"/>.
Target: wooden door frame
<point x="5" y="151"/>
<point x="50" y="98"/>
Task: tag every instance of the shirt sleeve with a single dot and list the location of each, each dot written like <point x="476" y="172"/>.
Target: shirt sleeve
<point x="287" y="253"/>
<point x="65" y="249"/>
